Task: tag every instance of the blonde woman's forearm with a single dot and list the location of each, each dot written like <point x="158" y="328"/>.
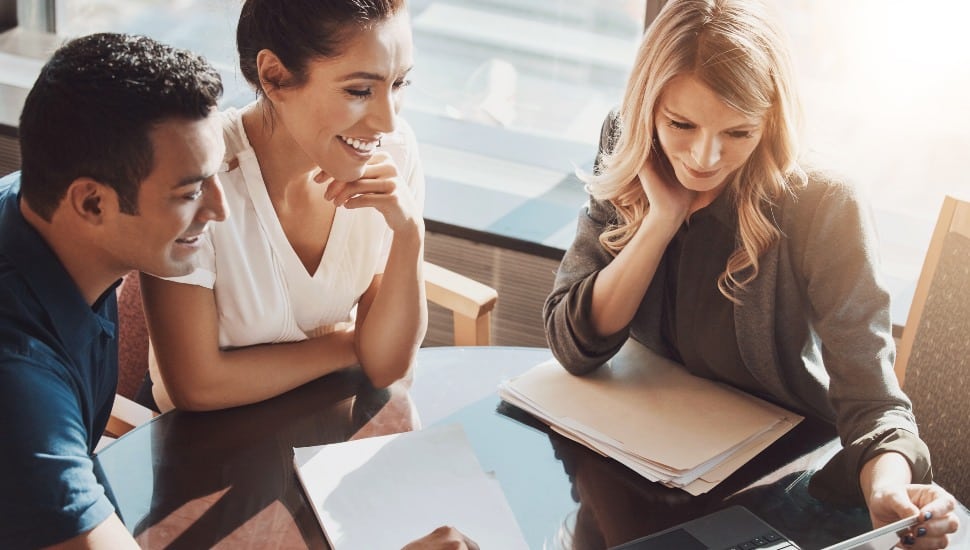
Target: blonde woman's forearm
<point x="621" y="285"/>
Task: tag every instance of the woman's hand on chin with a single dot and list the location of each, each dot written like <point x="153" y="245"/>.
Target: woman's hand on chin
<point x="380" y="187"/>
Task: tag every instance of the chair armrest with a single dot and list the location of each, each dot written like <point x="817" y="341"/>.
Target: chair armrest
<point x="470" y="301"/>
<point x="126" y="415"/>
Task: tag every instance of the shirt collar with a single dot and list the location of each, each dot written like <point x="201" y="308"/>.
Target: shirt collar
<point x="722" y="209"/>
<point x="26" y="250"/>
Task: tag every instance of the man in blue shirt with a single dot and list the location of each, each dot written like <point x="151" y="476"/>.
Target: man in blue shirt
<point x="120" y="145"/>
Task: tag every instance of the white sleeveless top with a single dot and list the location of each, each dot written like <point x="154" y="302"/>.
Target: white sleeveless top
<point x="263" y="292"/>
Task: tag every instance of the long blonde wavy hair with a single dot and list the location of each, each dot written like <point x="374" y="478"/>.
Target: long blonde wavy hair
<point x="734" y="48"/>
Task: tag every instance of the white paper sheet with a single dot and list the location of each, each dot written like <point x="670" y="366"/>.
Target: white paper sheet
<point x="383" y="492"/>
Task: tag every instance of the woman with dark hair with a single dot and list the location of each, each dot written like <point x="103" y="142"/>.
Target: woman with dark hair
<point x="319" y="265"/>
<point x="706" y="240"/>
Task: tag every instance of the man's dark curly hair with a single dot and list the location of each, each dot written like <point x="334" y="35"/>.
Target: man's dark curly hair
<point x="92" y="109"/>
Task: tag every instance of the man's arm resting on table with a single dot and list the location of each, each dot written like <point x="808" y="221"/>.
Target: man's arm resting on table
<point x="110" y="534"/>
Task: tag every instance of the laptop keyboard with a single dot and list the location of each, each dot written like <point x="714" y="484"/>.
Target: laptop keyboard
<point x="768" y="541"/>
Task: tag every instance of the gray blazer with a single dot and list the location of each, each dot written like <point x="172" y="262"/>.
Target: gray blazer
<point x="814" y="327"/>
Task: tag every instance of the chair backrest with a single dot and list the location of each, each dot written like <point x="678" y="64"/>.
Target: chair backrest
<point x="933" y="363"/>
<point x="132" y="337"/>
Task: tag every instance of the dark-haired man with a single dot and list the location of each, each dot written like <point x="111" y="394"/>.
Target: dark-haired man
<point x="120" y="148"/>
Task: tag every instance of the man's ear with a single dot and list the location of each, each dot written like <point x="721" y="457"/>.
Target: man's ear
<point x="89" y="199"/>
<point x="273" y="75"/>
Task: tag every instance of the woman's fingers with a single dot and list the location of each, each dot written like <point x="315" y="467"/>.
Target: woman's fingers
<point x="342" y="192"/>
<point x="379" y="176"/>
<point x="380" y="187"/>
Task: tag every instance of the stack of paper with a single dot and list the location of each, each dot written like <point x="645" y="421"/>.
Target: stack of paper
<point x="384" y="492"/>
<point x="651" y="415"/>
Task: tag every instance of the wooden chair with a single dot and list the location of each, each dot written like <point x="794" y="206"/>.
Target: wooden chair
<point x="470" y="302"/>
<point x="933" y="360"/>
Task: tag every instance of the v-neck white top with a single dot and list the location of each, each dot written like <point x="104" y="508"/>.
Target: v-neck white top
<point x="263" y="292"/>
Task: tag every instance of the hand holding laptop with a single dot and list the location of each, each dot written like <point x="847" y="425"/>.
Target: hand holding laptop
<point x="885" y="481"/>
<point x="934" y="506"/>
<point x="737" y="528"/>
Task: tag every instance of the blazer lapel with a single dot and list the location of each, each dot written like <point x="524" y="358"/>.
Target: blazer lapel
<point x="754" y="325"/>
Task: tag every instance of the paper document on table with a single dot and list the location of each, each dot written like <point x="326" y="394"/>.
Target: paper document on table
<point x="653" y="416"/>
<point x="386" y="491"/>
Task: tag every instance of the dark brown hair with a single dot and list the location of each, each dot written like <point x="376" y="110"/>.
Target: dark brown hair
<point x="298" y="31"/>
<point x="91" y="111"/>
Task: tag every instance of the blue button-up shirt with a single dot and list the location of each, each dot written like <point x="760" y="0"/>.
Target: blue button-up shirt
<point x="58" y="374"/>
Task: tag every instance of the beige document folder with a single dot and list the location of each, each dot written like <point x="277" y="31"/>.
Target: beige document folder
<point x="653" y="416"/>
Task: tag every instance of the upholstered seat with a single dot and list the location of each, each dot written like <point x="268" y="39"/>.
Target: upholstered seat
<point x="933" y="363"/>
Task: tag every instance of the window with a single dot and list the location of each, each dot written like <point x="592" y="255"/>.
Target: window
<point x="508" y="95"/>
<point x="551" y="68"/>
<point x="546" y="67"/>
<point x="204" y="26"/>
<point x="883" y="84"/>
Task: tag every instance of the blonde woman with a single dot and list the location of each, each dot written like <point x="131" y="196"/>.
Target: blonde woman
<point x="706" y="240"/>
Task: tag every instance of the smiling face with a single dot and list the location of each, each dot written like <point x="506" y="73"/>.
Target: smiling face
<point x="177" y="200"/>
<point x="337" y="117"/>
<point x="705" y="139"/>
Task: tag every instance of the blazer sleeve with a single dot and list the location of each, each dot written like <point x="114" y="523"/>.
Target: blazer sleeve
<point x="566" y="313"/>
<point x="850" y="312"/>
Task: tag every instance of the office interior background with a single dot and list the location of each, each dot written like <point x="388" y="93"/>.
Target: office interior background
<point x="508" y="97"/>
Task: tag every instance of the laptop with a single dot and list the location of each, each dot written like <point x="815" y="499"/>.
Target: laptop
<point x="737" y="528"/>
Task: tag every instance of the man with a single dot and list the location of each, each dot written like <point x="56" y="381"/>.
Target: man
<point x="120" y="146"/>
